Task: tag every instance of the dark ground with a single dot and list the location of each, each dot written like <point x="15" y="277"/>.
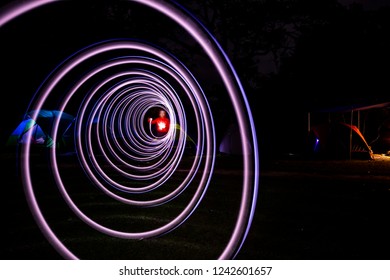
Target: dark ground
<point x="322" y="210"/>
<point x="306" y="209"/>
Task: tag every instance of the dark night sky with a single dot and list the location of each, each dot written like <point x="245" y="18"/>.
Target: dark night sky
<point x="342" y="61"/>
<point x="367" y="4"/>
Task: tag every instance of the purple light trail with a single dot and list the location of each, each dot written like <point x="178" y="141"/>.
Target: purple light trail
<point x="121" y="109"/>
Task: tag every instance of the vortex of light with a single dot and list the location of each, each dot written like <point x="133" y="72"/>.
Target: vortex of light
<point x="135" y="101"/>
<point x="110" y="123"/>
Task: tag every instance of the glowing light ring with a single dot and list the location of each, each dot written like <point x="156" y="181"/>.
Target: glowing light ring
<point x="131" y="141"/>
<point x="144" y="153"/>
<point x="166" y="170"/>
<point x="208" y="162"/>
<point x="204" y="119"/>
<point x="241" y="107"/>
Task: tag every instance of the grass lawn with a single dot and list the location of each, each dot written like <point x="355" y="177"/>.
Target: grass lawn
<point x="306" y="209"/>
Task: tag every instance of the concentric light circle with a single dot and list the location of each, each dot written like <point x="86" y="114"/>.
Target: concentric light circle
<point x="115" y="98"/>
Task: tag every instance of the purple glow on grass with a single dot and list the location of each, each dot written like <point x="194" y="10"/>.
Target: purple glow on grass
<point x="122" y="101"/>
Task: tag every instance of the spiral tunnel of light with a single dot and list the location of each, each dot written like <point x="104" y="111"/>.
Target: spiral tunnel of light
<point x="120" y="103"/>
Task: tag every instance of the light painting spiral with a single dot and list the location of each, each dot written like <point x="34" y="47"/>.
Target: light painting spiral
<point x="116" y="86"/>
